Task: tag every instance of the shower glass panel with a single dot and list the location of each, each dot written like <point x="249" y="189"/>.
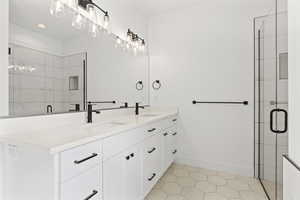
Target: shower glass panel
<point x="39" y="82"/>
<point x="271" y="92"/>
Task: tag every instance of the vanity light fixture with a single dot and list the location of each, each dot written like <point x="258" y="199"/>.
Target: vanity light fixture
<point x="85" y="11"/>
<point x="135" y="42"/>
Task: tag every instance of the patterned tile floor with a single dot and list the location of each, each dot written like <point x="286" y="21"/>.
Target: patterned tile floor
<point x="188" y="183"/>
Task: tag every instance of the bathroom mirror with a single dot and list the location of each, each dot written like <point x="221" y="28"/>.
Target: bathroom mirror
<point x="55" y="67"/>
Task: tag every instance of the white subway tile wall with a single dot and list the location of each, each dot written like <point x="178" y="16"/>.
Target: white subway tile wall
<point x="48" y="84"/>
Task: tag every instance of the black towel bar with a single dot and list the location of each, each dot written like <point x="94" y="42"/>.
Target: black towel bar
<point x="221" y="102"/>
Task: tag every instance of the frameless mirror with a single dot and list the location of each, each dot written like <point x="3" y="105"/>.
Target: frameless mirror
<point x="55" y="67"/>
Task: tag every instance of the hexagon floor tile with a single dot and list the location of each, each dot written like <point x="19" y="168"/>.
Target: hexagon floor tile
<point x="182" y="182"/>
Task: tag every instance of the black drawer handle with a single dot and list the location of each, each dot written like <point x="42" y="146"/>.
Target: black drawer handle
<point x="85" y="159"/>
<point x="174" y="152"/>
<point x="152" y="177"/>
<point x="166" y="134"/>
<point x="91" y="195"/>
<point x="151" y="130"/>
<point x="132" y="155"/>
<point x="127" y="157"/>
<point x="174" y="134"/>
<point x="174" y="120"/>
<point x="152" y="150"/>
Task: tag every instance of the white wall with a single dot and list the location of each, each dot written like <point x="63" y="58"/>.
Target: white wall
<point x="291" y="174"/>
<point x="205" y="52"/>
<point x="294" y="81"/>
<point x="4" y="58"/>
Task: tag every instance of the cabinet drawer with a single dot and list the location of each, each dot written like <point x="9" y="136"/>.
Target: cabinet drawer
<point x="80" y="159"/>
<point x="152" y="151"/>
<point x="116" y="144"/>
<point x="170" y="122"/>
<point x="154" y="128"/>
<point x="150" y="178"/>
<point x="86" y="186"/>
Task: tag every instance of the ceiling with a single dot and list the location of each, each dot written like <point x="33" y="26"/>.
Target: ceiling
<point x="156" y="7"/>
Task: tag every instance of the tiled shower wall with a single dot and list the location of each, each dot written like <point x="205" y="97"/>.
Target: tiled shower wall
<point x="31" y="92"/>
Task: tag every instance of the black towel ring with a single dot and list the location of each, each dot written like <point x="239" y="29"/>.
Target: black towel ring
<point x="156" y="85"/>
<point x="139" y="85"/>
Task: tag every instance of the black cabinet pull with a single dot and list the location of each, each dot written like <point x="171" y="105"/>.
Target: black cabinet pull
<point x="174" y="134"/>
<point x="152" y="150"/>
<point x="174" y="152"/>
<point x="127" y="157"/>
<point x="174" y="120"/>
<point x="85" y="159"/>
<point x="152" y="177"/>
<point x="132" y="155"/>
<point x="91" y="195"/>
<point x="151" y="130"/>
<point x="166" y="134"/>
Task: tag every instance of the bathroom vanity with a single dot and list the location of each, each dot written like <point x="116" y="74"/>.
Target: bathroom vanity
<point x="119" y="159"/>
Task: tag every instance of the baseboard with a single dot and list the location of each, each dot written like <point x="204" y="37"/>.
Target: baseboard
<point x="224" y="167"/>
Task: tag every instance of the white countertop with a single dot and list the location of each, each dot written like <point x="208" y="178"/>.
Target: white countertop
<point x="58" y="139"/>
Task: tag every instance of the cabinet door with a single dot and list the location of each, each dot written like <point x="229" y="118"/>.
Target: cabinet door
<point x="113" y="172"/>
<point x="122" y="176"/>
<point x="132" y="175"/>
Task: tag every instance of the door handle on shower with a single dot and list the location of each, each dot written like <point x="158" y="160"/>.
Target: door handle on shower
<point x="285" y="121"/>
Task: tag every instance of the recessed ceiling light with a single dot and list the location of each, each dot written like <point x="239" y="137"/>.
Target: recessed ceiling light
<point x="42" y="26"/>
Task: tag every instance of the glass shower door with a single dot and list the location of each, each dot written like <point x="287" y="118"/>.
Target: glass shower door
<point x="271" y="100"/>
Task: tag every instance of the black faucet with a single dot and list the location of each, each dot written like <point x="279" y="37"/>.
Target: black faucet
<point x="137" y="108"/>
<point x="90" y="113"/>
<point x="49" y="109"/>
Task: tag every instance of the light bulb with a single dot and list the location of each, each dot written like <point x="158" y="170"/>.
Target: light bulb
<point x="135" y="51"/>
<point x="106" y="21"/>
<point x="129" y="36"/>
<point x="93" y="29"/>
<point x="57" y="8"/>
<point x="127" y="45"/>
<point x="92" y="13"/>
<point x="74" y="4"/>
<point x="78" y="21"/>
<point x="142" y="46"/>
<point x="118" y="42"/>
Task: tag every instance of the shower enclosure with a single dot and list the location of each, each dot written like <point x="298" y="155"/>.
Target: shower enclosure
<point x="271" y="99"/>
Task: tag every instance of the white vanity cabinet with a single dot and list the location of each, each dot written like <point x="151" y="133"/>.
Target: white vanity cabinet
<point x="121" y="166"/>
